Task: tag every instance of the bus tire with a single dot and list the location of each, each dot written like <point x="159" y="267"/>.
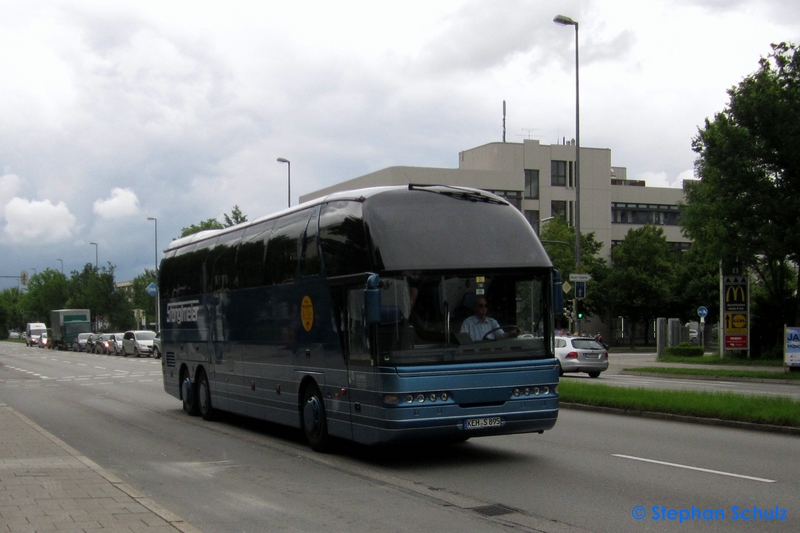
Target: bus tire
<point x="204" y="405"/>
<point x="189" y="395"/>
<point x="314" y="422"/>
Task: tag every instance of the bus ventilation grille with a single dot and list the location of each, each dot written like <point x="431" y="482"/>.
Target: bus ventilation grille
<point x="170" y="359"/>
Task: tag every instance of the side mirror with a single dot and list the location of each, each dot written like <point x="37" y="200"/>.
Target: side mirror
<point x="372" y="300"/>
<point x="558" y="292"/>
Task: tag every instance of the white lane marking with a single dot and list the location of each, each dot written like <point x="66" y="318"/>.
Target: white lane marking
<point x="687" y="467"/>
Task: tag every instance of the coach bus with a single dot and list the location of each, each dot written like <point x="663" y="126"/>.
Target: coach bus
<point x="342" y="317"/>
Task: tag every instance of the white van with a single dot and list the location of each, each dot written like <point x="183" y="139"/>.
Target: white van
<point x="33" y="331"/>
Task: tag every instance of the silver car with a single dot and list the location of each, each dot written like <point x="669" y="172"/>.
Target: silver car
<point x="581" y="354"/>
<point x="138" y="343"/>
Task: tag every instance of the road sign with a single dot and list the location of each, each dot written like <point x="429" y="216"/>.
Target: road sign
<point x="580" y="290"/>
<point x="152" y="289"/>
<point x="580" y="277"/>
<point x="566" y="287"/>
<point x="702" y="311"/>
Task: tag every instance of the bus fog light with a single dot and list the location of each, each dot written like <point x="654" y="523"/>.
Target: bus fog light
<point x="432" y="397"/>
<point x="536" y="391"/>
<point x="420" y="398"/>
<point x="526" y="391"/>
<point x="516" y="392"/>
<point x="444" y="396"/>
<point x="546" y="389"/>
<point x="409" y="399"/>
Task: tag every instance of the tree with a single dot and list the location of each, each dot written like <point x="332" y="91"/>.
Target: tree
<point x="745" y="206"/>
<point x="642" y="281"/>
<point x="94" y="289"/>
<point x="47" y="290"/>
<point x="558" y="238"/>
<point x="139" y="298"/>
<point x="236" y="217"/>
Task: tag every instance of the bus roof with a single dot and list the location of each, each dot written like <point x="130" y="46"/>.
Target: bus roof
<point x="477" y="225"/>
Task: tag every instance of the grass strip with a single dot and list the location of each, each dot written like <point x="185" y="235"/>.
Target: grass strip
<point x="718" y="373"/>
<point x="717" y="360"/>
<point x="779" y="411"/>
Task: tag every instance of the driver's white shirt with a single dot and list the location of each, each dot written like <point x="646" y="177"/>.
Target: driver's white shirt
<point x="477" y="328"/>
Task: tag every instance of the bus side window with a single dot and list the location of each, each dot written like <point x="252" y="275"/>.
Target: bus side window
<point x="357" y="330"/>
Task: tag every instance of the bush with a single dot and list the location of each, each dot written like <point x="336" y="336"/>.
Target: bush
<point x="684" y="349"/>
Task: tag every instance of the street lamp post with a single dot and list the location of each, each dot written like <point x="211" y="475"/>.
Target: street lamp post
<point x="158" y="296"/>
<point x="566" y="21"/>
<point x="62" y="264"/>
<point x="289" y="177"/>
<point x="95" y="253"/>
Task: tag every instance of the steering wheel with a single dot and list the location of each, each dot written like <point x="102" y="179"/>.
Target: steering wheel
<point x="510" y="326"/>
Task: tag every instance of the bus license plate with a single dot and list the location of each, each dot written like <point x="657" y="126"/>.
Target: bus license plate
<point x="480" y="423"/>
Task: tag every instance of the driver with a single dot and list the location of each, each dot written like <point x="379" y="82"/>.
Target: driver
<point x="480" y="324"/>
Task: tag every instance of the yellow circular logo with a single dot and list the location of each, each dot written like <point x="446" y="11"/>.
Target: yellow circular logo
<point x="307" y="313"/>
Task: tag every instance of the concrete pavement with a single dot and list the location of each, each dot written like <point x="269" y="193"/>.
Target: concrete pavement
<point x="45" y="485"/>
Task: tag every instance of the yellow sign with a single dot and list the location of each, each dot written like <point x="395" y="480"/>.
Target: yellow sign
<point x="307" y="313"/>
<point x="736" y="323"/>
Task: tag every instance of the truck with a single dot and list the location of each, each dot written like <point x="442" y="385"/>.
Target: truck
<point x="66" y="324"/>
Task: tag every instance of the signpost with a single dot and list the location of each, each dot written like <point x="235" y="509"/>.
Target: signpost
<point x="735" y="308"/>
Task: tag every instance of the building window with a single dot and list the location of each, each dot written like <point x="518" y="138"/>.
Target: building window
<point x="531" y="184"/>
<point x="513" y="197"/>
<point x="533" y="219"/>
<point x="558" y="173"/>
<point x="658" y="214"/>
<point x="558" y="208"/>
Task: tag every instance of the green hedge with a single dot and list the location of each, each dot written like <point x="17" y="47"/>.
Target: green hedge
<point x="684" y="349"/>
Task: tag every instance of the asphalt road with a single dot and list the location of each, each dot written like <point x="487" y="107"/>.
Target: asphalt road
<point x="593" y="472"/>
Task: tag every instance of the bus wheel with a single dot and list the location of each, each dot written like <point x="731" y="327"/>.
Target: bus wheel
<point x="315" y="425"/>
<point x="189" y="395"/>
<point x="204" y="397"/>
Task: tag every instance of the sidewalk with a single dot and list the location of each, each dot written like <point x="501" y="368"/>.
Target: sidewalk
<point x="617" y="362"/>
<point x="45" y="485"/>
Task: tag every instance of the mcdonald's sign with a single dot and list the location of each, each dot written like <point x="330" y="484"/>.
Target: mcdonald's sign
<point x="735" y="307"/>
<point x="735" y="298"/>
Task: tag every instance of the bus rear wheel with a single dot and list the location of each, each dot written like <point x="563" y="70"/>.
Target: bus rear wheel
<point x="204" y="397"/>
<point x="314" y="422"/>
<point x="189" y="395"/>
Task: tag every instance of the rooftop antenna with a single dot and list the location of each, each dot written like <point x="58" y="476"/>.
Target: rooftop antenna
<point x="504" y="121"/>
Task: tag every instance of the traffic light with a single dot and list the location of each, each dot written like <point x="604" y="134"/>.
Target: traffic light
<point x="578" y="310"/>
<point x="568" y="311"/>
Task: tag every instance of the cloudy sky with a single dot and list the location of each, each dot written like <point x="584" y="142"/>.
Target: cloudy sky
<point x="113" y="112"/>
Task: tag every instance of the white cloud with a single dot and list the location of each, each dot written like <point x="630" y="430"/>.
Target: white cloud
<point x="10" y="185"/>
<point x="35" y="222"/>
<point x="123" y="202"/>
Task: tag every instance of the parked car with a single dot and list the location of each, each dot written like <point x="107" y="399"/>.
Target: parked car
<point x="581" y="354"/>
<point x="102" y="344"/>
<point x="157" y="346"/>
<point x="80" y="342"/>
<point x="115" y="343"/>
<point x="138" y="343"/>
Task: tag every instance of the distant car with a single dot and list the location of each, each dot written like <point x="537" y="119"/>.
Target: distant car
<point x="581" y="354"/>
<point x="138" y="343"/>
<point x="102" y="343"/>
<point x="80" y="342"/>
<point x="13" y="335"/>
<point x="115" y="344"/>
<point x="42" y="341"/>
<point x="90" y="340"/>
<point x="157" y="346"/>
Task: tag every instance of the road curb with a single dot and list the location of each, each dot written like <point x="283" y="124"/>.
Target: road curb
<point x="770" y="381"/>
<point x="769" y="428"/>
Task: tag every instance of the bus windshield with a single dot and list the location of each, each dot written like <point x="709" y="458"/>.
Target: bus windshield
<point x="462" y="317"/>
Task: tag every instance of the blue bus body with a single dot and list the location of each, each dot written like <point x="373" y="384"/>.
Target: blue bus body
<point x="343" y="317"/>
